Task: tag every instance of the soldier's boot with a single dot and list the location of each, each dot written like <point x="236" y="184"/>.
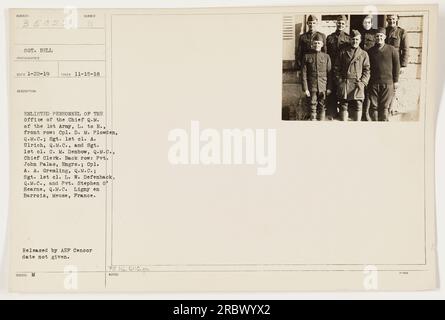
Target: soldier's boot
<point x="365" y="115"/>
<point x="321" y="115"/>
<point x="353" y="115"/>
<point x="374" y="115"/>
<point x="333" y="112"/>
<point x="356" y="115"/>
<point x="384" y="115"/>
<point x="313" y="116"/>
<point x="343" y="113"/>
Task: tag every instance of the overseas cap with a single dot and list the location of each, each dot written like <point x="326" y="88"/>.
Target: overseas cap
<point x="317" y="37"/>
<point x="381" y="30"/>
<point x="355" y="33"/>
<point x="312" y="18"/>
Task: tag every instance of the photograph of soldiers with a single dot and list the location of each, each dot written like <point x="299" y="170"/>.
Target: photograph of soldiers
<point x="305" y="41"/>
<point x="316" y="70"/>
<point x="339" y="34"/>
<point x="336" y="42"/>
<point x="368" y="41"/>
<point x="385" y="70"/>
<point x="352" y="73"/>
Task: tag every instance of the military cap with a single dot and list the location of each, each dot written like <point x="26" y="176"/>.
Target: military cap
<point x="317" y="37"/>
<point x="312" y="18"/>
<point x="355" y="33"/>
<point x="341" y="17"/>
<point x="381" y="30"/>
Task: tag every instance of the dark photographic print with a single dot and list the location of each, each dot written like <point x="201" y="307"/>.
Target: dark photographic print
<point x="349" y="67"/>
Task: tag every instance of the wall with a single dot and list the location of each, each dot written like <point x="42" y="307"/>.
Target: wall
<point x="408" y="94"/>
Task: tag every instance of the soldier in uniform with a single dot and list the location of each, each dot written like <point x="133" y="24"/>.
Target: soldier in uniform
<point x="305" y="41"/>
<point x="368" y="41"/>
<point x="397" y="37"/>
<point x="316" y="70"/>
<point x="352" y="73"/>
<point x="339" y="39"/>
<point x="385" y="70"/>
<point x="368" y="34"/>
<point x="336" y="42"/>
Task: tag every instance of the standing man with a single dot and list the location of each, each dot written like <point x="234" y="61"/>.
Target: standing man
<point x="368" y="41"/>
<point x="305" y="42"/>
<point x="397" y="37"/>
<point x="368" y="34"/>
<point x="385" y="70"/>
<point x="336" y="42"/>
<point x="315" y="72"/>
<point x="352" y="72"/>
<point x="339" y="39"/>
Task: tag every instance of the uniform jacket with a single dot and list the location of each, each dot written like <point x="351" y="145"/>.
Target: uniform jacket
<point x="316" y="72"/>
<point x="398" y="38"/>
<point x="352" y="73"/>
<point x="305" y="46"/>
<point x="368" y="39"/>
<point x="336" y="42"/>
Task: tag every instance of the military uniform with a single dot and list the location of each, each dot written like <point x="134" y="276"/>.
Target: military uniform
<point x="397" y="37"/>
<point x="335" y="42"/>
<point x="352" y="73"/>
<point x="368" y="41"/>
<point x="316" y="70"/>
<point x="305" y="46"/>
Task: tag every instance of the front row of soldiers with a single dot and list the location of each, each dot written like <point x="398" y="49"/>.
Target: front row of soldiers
<point x="359" y="76"/>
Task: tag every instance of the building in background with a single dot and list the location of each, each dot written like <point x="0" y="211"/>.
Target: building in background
<point x="409" y="91"/>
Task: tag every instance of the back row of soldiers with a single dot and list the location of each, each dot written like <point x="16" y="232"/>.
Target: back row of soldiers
<point x="360" y="70"/>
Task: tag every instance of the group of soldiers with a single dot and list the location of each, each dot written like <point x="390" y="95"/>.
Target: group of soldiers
<point x="351" y="76"/>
